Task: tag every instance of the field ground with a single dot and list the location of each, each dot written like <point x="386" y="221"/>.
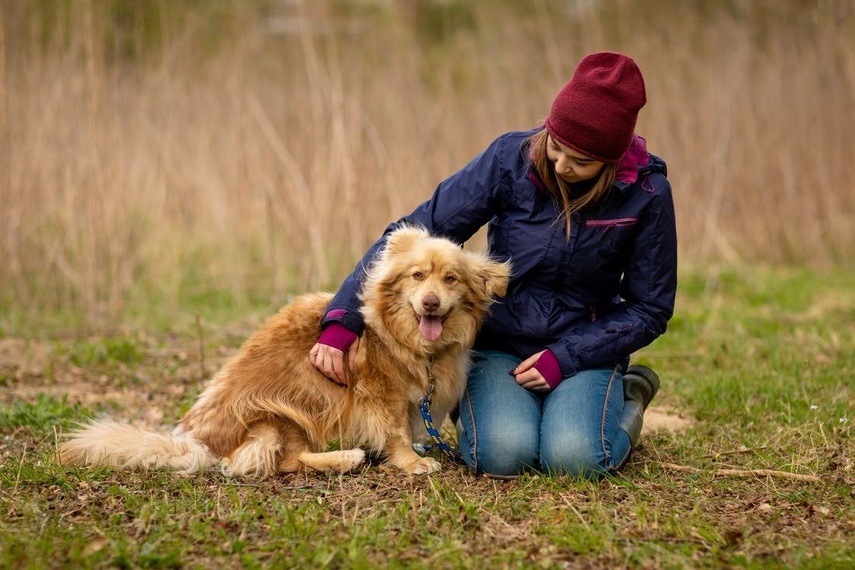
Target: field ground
<point x="166" y="175"/>
<point x="751" y="464"/>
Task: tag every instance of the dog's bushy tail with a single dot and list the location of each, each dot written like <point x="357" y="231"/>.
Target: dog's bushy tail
<point x="116" y="444"/>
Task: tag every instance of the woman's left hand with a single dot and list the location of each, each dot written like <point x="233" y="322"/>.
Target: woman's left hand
<point x="528" y="377"/>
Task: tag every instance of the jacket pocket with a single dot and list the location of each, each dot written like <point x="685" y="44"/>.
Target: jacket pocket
<point x="605" y="225"/>
<point x="613" y="223"/>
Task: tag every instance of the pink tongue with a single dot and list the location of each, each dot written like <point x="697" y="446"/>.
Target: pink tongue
<point x="430" y="327"/>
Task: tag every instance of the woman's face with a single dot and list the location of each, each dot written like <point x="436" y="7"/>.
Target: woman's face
<point x="571" y="166"/>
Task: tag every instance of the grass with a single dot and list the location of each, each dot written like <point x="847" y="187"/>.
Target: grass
<point x="757" y="358"/>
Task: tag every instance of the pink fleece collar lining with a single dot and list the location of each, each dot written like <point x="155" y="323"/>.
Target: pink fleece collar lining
<point x="635" y="157"/>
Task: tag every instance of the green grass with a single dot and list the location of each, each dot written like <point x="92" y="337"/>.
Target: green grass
<point x="759" y="359"/>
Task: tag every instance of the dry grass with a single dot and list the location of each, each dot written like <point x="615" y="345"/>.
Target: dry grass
<point x="154" y="155"/>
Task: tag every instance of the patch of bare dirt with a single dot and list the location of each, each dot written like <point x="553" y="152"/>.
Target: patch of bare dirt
<point x="664" y="418"/>
<point x="147" y="393"/>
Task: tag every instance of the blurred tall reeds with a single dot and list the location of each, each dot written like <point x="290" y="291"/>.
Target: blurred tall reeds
<point x="158" y="152"/>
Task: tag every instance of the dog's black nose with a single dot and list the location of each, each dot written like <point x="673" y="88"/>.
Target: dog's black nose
<point x="430" y="303"/>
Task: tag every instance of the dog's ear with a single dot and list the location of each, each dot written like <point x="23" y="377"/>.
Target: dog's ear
<point x="403" y="239"/>
<point x="493" y="275"/>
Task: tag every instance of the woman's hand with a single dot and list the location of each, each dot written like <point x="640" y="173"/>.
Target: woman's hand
<point x="529" y="377"/>
<point x="331" y="361"/>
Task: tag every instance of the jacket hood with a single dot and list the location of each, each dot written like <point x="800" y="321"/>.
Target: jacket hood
<point x="635" y="158"/>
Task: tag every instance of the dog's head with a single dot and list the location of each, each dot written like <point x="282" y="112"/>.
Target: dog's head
<point x="428" y="292"/>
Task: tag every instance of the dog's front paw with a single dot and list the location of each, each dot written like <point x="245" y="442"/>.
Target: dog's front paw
<point x="424" y="465"/>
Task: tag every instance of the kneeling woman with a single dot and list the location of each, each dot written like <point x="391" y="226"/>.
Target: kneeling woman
<point x="585" y="215"/>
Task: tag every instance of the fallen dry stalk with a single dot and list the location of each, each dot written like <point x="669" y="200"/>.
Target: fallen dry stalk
<point x="744" y="472"/>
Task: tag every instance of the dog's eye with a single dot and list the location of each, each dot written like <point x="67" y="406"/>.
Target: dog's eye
<point x="450" y="279"/>
<point x="418" y="275"/>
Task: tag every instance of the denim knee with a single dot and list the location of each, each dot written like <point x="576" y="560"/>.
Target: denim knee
<point x="576" y="456"/>
<point x="506" y="455"/>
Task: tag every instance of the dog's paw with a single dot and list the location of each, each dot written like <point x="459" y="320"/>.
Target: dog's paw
<point x="343" y="460"/>
<point x="351" y="459"/>
<point x="424" y="466"/>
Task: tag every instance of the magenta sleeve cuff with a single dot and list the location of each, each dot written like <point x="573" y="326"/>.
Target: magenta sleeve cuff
<point x="337" y="336"/>
<point x="548" y="367"/>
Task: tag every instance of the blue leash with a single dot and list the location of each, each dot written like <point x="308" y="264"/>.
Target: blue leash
<point x="452" y="453"/>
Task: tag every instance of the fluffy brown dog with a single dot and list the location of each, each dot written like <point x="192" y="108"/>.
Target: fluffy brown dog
<point x="268" y="410"/>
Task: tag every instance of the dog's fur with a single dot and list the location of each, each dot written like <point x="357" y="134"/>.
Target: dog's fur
<point x="268" y="410"/>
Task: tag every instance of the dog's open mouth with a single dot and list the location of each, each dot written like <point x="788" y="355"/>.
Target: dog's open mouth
<point x="430" y="326"/>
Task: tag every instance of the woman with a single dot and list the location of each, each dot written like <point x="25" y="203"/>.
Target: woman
<point x="586" y="217"/>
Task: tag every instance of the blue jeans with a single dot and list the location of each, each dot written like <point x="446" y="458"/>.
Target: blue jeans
<point x="572" y="429"/>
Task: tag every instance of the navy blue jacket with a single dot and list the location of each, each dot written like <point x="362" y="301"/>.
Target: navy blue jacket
<point x="593" y="299"/>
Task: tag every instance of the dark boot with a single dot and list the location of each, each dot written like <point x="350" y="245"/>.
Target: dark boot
<point x="640" y="385"/>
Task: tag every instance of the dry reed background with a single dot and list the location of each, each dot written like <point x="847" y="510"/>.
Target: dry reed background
<point x="153" y="152"/>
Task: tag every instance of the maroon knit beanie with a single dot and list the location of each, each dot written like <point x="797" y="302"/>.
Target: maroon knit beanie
<point x="595" y="112"/>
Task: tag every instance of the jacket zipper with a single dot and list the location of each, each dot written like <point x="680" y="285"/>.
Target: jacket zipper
<point x="616" y="223"/>
<point x="609" y="224"/>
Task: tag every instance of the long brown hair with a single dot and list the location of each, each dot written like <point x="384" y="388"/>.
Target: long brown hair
<point x="559" y="189"/>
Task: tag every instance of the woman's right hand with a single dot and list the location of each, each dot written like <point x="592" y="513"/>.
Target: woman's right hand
<point x="331" y="361"/>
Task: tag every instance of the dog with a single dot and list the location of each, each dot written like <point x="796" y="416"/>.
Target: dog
<point x="269" y="410"/>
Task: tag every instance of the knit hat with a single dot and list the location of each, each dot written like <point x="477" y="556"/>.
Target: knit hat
<point x="595" y="112"/>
